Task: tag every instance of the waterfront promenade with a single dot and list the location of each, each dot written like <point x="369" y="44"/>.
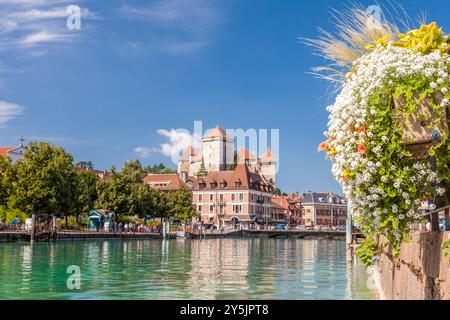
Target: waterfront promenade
<point x="24" y="236"/>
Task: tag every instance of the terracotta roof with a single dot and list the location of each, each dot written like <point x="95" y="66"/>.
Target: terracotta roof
<point x="241" y="174"/>
<point x="4" y="151"/>
<point x="281" y="201"/>
<point x="268" y="156"/>
<point x="165" y="182"/>
<point x="244" y="154"/>
<point x="216" y="132"/>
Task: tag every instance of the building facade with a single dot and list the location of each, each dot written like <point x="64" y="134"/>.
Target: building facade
<point x="324" y="209"/>
<point x="234" y="199"/>
<point x="287" y="208"/>
<point x="14" y="153"/>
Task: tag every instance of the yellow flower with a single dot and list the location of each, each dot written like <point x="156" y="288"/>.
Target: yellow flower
<point x="331" y="150"/>
<point x="425" y="40"/>
<point x="382" y="41"/>
<point x="346" y="173"/>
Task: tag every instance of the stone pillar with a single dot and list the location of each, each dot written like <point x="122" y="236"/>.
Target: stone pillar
<point x="349" y="233"/>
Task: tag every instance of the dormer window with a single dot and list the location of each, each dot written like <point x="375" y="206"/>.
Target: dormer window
<point x="321" y="199"/>
<point x="202" y="185"/>
<point x="238" y="184"/>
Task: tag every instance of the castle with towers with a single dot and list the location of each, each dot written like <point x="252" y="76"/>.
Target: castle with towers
<point x="217" y="153"/>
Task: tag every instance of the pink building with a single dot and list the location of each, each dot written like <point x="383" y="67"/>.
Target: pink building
<point x="237" y="199"/>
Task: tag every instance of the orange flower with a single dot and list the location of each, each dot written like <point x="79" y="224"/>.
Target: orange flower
<point x="323" y="146"/>
<point x="362" y="129"/>
<point x="362" y="149"/>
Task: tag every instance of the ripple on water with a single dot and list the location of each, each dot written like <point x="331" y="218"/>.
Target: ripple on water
<point x="208" y="269"/>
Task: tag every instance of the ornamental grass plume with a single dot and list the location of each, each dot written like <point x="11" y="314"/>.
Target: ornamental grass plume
<point x="356" y="29"/>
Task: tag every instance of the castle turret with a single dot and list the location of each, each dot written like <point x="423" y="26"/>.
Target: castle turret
<point x="217" y="150"/>
<point x="269" y="166"/>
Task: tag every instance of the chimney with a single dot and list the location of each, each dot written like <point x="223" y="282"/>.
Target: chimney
<point x="183" y="176"/>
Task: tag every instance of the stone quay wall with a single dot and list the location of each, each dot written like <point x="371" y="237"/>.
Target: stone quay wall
<point x="421" y="272"/>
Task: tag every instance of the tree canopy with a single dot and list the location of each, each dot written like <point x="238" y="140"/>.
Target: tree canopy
<point x="45" y="181"/>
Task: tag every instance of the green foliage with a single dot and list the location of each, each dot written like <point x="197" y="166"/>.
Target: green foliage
<point x="45" y="181"/>
<point x="180" y="205"/>
<point x="71" y="222"/>
<point x="85" y="165"/>
<point x="5" y="179"/>
<point x="119" y="193"/>
<point x="86" y="191"/>
<point x="159" y="169"/>
<point x="232" y="166"/>
<point x="7" y="215"/>
<point x="202" y="173"/>
<point x="125" y="193"/>
<point x="124" y="219"/>
<point x="396" y="161"/>
<point x="446" y="247"/>
<point x="367" y="251"/>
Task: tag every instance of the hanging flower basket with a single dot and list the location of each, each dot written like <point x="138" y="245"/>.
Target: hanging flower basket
<point x="389" y="118"/>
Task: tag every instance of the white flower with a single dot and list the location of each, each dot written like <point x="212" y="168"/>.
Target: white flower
<point x="433" y="85"/>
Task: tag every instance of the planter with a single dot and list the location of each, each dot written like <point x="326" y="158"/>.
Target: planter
<point x="423" y="128"/>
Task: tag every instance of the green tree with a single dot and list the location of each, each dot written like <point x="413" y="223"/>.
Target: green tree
<point x="5" y="180"/>
<point x="86" y="165"/>
<point x="159" y="169"/>
<point x="86" y="191"/>
<point x="201" y="172"/>
<point x="149" y="201"/>
<point x="235" y="161"/>
<point x="7" y="215"/>
<point x="45" y="181"/>
<point x="180" y="205"/>
<point x="121" y="192"/>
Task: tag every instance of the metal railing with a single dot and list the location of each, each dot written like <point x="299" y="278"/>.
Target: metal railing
<point x="433" y="218"/>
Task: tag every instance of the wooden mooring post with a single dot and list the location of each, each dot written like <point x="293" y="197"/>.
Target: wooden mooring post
<point x="33" y="228"/>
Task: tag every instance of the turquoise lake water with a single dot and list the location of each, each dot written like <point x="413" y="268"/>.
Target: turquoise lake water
<point x="182" y="269"/>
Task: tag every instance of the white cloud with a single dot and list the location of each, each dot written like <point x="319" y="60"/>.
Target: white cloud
<point x="179" y="141"/>
<point x="9" y="111"/>
<point x="144" y="152"/>
<point x="36" y="22"/>
<point x="181" y="25"/>
<point x="42" y="37"/>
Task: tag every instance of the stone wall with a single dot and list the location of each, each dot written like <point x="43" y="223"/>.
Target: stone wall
<point x="421" y="272"/>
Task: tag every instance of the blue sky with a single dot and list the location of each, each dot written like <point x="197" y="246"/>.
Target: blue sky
<point x="139" y="66"/>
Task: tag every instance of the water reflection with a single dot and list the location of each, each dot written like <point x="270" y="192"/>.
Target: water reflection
<point x="178" y="269"/>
